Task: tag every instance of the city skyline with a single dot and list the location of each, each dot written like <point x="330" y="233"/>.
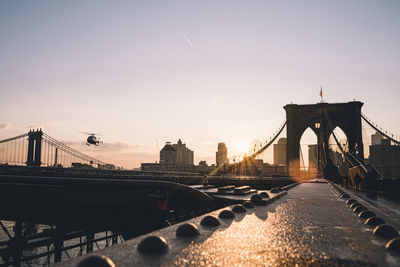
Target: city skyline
<point x="147" y="73"/>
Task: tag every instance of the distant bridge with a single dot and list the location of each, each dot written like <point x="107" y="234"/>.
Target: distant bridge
<point x="37" y="148"/>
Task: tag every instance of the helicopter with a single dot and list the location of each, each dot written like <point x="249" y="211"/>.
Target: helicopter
<point x="92" y="139"/>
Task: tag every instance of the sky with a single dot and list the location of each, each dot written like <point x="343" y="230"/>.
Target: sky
<point x="144" y="73"/>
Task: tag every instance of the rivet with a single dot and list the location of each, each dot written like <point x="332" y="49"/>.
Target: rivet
<point x="386" y="231"/>
<point x="210" y="221"/>
<point x="394" y="244"/>
<point x="248" y="205"/>
<point x="275" y="190"/>
<point x="153" y="244"/>
<point x="264" y="195"/>
<point x="366" y="214"/>
<point x="358" y="209"/>
<point x="187" y="230"/>
<point x="374" y="221"/>
<point x="96" y="261"/>
<point x="355" y="204"/>
<point x="238" y="209"/>
<point x="350" y="201"/>
<point x="226" y="214"/>
<point x="344" y="195"/>
<point x="255" y="197"/>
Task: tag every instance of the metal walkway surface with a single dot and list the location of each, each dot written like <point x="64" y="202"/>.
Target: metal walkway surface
<point x="310" y="225"/>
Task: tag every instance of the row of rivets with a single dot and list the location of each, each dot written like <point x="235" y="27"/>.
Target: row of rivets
<point x="380" y="227"/>
<point x="157" y="244"/>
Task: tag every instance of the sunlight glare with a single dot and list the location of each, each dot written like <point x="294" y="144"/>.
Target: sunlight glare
<point x="243" y="147"/>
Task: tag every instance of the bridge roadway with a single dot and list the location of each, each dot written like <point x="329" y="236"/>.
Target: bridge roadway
<point x="310" y="225"/>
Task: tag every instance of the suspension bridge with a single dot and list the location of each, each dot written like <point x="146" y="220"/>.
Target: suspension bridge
<point x="124" y="202"/>
<point x="37" y="148"/>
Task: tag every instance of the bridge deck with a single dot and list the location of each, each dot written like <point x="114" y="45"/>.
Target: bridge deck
<point x="310" y="225"/>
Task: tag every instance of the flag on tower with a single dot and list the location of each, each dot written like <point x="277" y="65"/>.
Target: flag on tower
<point x="320" y="92"/>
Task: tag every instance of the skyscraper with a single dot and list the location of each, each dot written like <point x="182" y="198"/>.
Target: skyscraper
<point x="222" y="154"/>
<point x="168" y="154"/>
<point x="376" y="139"/>
<point x="280" y="152"/>
<point x="183" y="154"/>
<point x="176" y="153"/>
<point x="384" y="157"/>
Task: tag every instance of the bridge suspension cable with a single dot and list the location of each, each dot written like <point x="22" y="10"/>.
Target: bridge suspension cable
<point x="353" y="160"/>
<point x="379" y="129"/>
<point x="252" y="156"/>
<point x="272" y="140"/>
<point x="12" y="150"/>
<point x="13" y="138"/>
<point x="70" y="151"/>
<point x="40" y="149"/>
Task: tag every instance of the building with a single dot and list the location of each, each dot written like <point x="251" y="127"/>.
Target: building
<point x="203" y="168"/>
<point x="173" y="158"/>
<point x="183" y="154"/>
<point x="167" y="167"/>
<point x="176" y="153"/>
<point x="313" y="156"/>
<point x="384" y="157"/>
<point x="280" y="152"/>
<point x="376" y="139"/>
<point x="222" y="154"/>
<point x="335" y="156"/>
<point x="168" y="154"/>
<point x="256" y="167"/>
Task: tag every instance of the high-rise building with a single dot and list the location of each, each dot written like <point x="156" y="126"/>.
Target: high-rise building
<point x="176" y="153"/>
<point x="376" y="139"/>
<point x="183" y="154"/>
<point x="168" y="154"/>
<point x="313" y="156"/>
<point x="222" y="154"/>
<point x="335" y="157"/>
<point x="384" y="157"/>
<point x="280" y="152"/>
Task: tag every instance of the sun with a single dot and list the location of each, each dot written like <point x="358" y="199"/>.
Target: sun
<point x="243" y="147"/>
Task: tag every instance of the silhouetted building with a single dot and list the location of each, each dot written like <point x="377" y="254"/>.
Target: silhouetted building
<point x="168" y="154"/>
<point x="376" y="139"/>
<point x="313" y="156"/>
<point x="176" y="153"/>
<point x="203" y="168"/>
<point x="222" y="154"/>
<point x="183" y="154"/>
<point x="280" y="152"/>
<point x="384" y="157"/>
<point x="174" y="158"/>
<point x="335" y="157"/>
<point x="256" y="167"/>
<point x="167" y="167"/>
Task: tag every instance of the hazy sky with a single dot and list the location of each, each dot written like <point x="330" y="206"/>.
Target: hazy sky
<point x="149" y="72"/>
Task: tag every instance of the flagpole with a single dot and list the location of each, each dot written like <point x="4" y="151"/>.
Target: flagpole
<point x="320" y="94"/>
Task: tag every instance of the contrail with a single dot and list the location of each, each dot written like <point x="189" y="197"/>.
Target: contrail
<point x="188" y="40"/>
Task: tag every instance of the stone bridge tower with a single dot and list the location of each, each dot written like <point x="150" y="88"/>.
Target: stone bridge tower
<point x="347" y="116"/>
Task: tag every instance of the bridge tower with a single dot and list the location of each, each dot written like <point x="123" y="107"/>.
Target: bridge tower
<point x="322" y="118"/>
<point x="34" y="148"/>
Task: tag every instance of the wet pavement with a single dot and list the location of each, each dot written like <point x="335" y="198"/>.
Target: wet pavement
<point x="311" y="225"/>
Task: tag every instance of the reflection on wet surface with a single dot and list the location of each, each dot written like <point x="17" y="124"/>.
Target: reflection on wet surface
<point x="309" y="226"/>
